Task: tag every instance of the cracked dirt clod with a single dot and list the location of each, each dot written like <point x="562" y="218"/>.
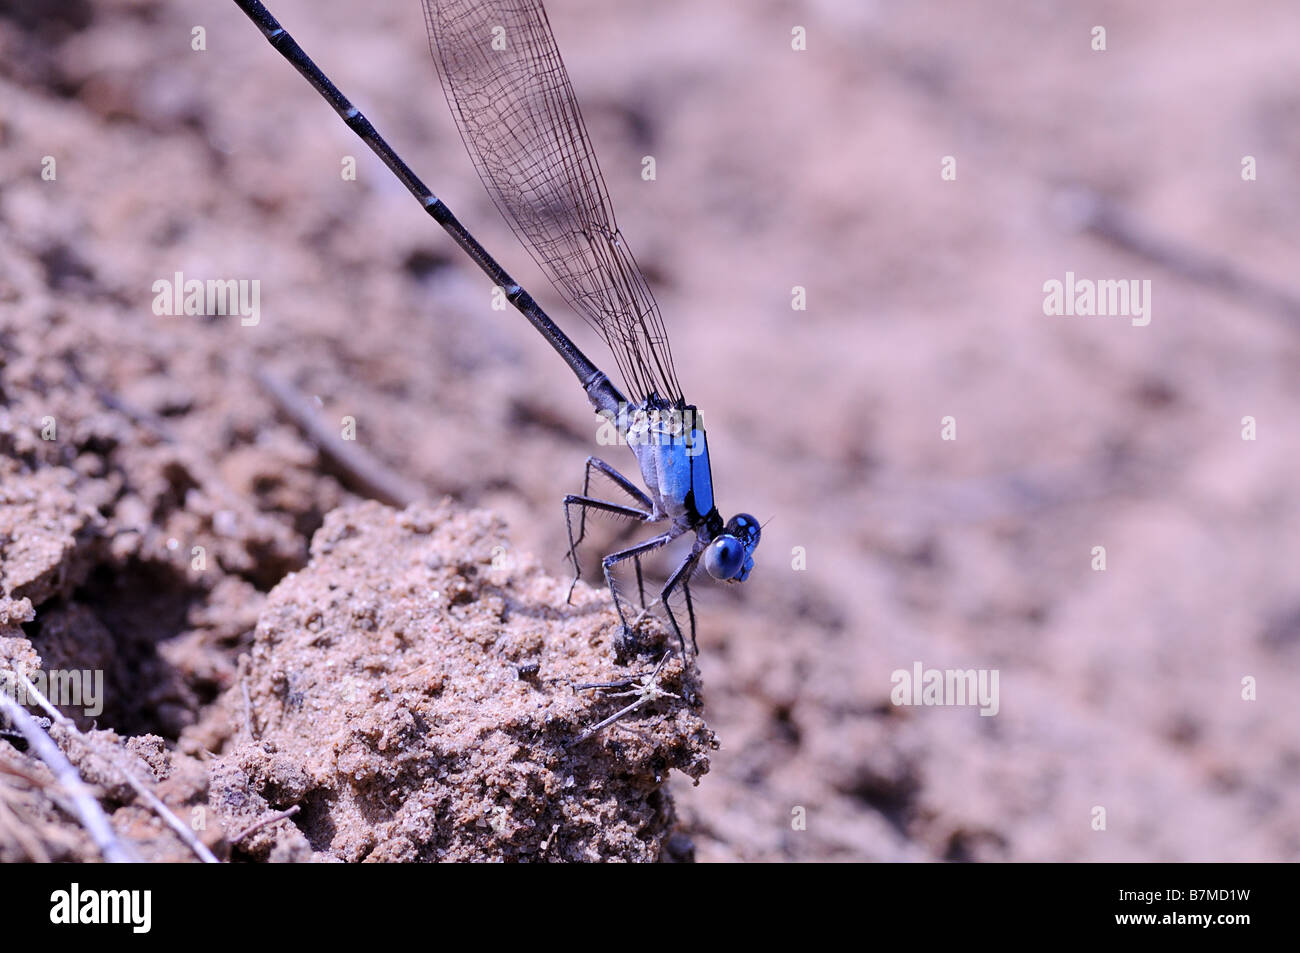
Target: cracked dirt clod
<point x="44" y="532"/>
<point x="411" y="691"/>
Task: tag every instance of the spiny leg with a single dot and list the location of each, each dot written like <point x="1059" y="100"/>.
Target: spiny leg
<point x="627" y="641"/>
<point x="681" y="577"/>
<point x="623" y="482"/>
<point x="690" y="611"/>
<point x="584" y="502"/>
<point x="640" y="581"/>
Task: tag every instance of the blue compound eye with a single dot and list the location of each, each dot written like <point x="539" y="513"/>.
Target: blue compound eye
<point x="724" y="557"/>
<point x="745" y="528"/>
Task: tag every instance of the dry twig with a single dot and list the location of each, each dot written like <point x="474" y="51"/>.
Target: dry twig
<point x="1091" y="212"/>
<point x="264" y="822"/>
<point x="87" y="809"/>
<point x="365" y="474"/>
<point x="155" y="804"/>
<point x="645" y="690"/>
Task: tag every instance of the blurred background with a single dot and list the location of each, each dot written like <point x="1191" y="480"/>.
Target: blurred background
<point x="776" y="168"/>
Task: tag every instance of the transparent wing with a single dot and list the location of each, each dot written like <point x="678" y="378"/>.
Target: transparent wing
<point x="511" y="97"/>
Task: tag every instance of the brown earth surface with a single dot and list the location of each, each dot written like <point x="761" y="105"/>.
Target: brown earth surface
<point x="171" y="516"/>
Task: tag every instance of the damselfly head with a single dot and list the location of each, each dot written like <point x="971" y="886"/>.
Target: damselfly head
<point x="730" y="556"/>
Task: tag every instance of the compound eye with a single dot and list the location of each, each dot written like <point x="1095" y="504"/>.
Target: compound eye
<point x="724" y="557"/>
<point x="745" y="528"/>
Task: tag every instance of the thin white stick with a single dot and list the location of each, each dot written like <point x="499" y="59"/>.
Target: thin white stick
<point x="610" y="720"/>
<point x="171" y="820"/>
<point x="151" y="799"/>
<point x="647" y="691"/>
<point x="87" y="808"/>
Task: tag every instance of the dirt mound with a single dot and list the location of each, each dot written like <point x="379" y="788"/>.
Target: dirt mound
<point x="414" y="693"/>
<point x="412" y="689"/>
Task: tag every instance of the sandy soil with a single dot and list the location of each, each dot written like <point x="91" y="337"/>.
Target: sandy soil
<point x="887" y="545"/>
